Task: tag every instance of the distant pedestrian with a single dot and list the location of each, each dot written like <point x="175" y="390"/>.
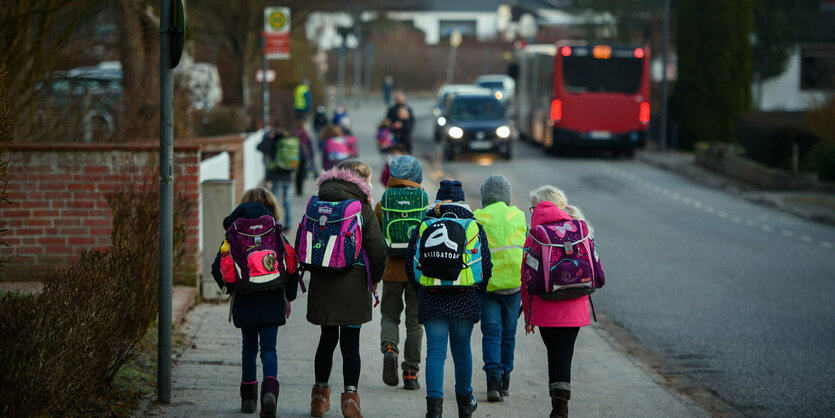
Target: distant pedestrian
<point x="307" y="162"/>
<point x="257" y="314"/>
<point x="302" y="100"/>
<point x="400" y="209"/>
<point x="282" y="154"/>
<point x="388" y="87"/>
<point x="320" y="120"/>
<point x="450" y="268"/>
<point x="341" y="301"/>
<point x="402" y="120"/>
<point x="342" y="120"/>
<point x="559" y="321"/>
<point x="505" y="227"/>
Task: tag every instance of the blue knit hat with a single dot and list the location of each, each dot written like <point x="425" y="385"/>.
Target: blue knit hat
<point x="450" y="190"/>
<point x="406" y="167"/>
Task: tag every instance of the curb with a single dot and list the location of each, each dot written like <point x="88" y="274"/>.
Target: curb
<point x="184" y="298"/>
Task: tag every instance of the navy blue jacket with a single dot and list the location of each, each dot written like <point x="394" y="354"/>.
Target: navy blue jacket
<point x="456" y="305"/>
<point x="256" y="309"/>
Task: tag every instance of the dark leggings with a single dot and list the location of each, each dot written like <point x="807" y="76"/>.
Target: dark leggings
<point x="560" y="344"/>
<point x="349" y="344"/>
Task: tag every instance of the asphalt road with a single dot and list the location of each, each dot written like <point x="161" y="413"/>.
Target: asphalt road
<point x="736" y="296"/>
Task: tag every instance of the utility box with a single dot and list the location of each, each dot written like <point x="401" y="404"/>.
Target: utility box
<point x="218" y="201"/>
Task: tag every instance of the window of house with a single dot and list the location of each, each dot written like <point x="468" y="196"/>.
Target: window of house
<point x="817" y="68"/>
<point x="466" y="27"/>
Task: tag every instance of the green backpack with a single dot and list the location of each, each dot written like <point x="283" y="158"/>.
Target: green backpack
<point x="403" y="210"/>
<point x="287" y="155"/>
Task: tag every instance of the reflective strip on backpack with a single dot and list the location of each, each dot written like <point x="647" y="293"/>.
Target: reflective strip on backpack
<point x="263" y="279"/>
<point x="506" y="247"/>
<point x="308" y="237"/>
<point x="329" y="251"/>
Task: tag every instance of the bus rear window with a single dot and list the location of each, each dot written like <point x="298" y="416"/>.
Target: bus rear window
<point x="583" y="74"/>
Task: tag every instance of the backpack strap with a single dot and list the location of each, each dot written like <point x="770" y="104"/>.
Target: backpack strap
<point x="546" y="256"/>
<point x="368" y="277"/>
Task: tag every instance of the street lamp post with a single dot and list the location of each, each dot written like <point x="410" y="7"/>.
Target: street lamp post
<point x="454" y="42"/>
<point x="662" y="142"/>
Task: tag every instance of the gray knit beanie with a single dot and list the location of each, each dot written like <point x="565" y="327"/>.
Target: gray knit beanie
<point x="495" y="189"/>
<point x="406" y="167"/>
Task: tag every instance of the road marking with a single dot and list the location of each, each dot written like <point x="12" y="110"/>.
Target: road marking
<point x="766" y="228"/>
<point x="750" y="223"/>
<point x="806" y="238"/>
<point x="709" y="209"/>
<point x="697" y="204"/>
<point x="827" y="244"/>
<point x="787" y="233"/>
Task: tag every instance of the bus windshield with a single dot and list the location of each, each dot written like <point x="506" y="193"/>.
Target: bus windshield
<point x="614" y="75"/>
<point x="476" y="108"/>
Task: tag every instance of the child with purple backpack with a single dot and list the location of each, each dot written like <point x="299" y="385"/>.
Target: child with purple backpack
<point x="340" y="242"/>
<point x="560" y="269"/>
<point x="258" y="267"/>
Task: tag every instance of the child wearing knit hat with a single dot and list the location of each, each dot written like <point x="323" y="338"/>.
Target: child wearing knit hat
<point x="505" y="227"/>
<point x="407" y="197"/>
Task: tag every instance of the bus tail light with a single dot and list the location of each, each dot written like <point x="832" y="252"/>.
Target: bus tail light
<point x="639" y="53"/>
<point x="566" y="51"/>
<point x="643" y="114"/>
<point x="556" y="110"/>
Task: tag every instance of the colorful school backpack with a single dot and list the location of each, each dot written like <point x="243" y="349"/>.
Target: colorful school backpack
<point x="258" y="252"/>
<point x="561" y="262"/>
<point x="448" y="255"/>
<point x="351" y="140"/>
<point x="337" y="149"/>
<point x="329" y="236"/>
<point x="385" y="139"/>
<point x="403" y="209"/>
<point x="287" y="154"/>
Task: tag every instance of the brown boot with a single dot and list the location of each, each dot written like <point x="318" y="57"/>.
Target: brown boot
<point x="351" y="405"/>
<point x="320" y="401"/>
<point x="559" y="402"/>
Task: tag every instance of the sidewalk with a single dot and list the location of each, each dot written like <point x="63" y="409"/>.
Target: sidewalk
<point x="813" y="205"/>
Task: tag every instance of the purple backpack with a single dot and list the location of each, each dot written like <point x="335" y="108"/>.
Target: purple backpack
<point x="329" y="236"/>
<point x="561" y="261"/>
<point x="257" y="249"/>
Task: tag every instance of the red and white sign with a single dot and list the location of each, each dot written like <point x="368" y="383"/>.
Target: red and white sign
<point x="276" y="32"/>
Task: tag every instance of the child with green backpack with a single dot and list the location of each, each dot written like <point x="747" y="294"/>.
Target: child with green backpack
<point x="283" y="154"/>
<point x="449" y="267"/>
<point x="400" y="210"/>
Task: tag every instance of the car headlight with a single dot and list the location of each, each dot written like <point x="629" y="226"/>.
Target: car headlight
<point x="498" y="95"/>
<point x="436" y="111"/>
<point x="441" y="121"/>
<point x="456" y="132"/>
<point x="503" y="131"/>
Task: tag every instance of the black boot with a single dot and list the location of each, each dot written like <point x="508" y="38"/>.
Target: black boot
<point x="269" y="397"/>
<point x="494" y="386"/>
<point x="506" y="384"/>
<point x="434" y="407"/>
<point x="559" y="399"/>
<point x="467" y="404"/>
<point x="249" y="397"/>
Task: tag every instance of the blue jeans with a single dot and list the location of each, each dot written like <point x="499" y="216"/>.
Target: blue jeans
<point x="254" y="336"/>
<point x="281" y="190"/>
<point x="438" y="329"/>
<point x="499" y="315"/>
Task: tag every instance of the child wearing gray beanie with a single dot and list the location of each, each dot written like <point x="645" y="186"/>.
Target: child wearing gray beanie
<point x="505" y="227"/>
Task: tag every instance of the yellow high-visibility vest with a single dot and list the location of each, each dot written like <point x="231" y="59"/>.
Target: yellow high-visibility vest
<point x="505" y="228"/>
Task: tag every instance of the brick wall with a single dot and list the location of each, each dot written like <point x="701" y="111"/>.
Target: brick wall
<point x="59" y="192"/>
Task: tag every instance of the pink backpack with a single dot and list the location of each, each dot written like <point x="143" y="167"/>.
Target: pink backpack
<point x="385" y="139"/>
<point x="337" y="150"/>
<point x="561" y="263"/>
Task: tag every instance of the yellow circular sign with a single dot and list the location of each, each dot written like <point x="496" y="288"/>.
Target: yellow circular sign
<point x="277" y="20"/>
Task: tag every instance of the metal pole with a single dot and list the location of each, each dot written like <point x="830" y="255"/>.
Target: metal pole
<point x="340" y="73"/>
<point x="450" y="70"/>
<point x="662" y="144"/>
<point x="166" y="206"/>
<point x="265" y="91"/>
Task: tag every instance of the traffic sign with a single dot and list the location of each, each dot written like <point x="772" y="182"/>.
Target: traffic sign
<point x="276" y="33"/>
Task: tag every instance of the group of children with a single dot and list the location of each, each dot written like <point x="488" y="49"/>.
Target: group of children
<point x="447" y="265"/>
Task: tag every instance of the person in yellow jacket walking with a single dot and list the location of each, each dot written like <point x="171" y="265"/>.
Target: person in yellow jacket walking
<point x="301" y="99"/>
<point x="505" y="227"/>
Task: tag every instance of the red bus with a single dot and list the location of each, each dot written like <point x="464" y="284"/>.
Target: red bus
<point x="578" y="94"/>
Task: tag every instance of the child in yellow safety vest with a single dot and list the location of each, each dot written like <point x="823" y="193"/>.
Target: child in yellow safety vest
<point x="505" y="228"/>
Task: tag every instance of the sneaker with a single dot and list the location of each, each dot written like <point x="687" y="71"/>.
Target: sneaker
<point x="390" y="367"/>
<point x="410" y="380"/>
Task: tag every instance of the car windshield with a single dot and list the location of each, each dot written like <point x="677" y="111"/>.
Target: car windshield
<point x="492" y="85"/>
<point x="589" y="74"/>
<point x="481" y="108"/>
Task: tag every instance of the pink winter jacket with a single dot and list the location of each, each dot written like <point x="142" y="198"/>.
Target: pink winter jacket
<point x="557" y="313"/>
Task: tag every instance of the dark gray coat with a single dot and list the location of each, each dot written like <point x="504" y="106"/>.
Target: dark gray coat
<point x="343" y="298"/>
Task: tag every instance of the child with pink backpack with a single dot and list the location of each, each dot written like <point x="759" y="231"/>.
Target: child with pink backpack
<point x="560" y="269"/>
<point x="258" y="267"/>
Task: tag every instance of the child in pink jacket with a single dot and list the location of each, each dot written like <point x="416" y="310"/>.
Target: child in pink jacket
<point x="559" y="321"/>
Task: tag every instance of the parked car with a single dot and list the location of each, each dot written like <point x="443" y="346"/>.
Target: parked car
<point x="444" y="97"/>
<point x="476" y="123"/>
<point x="502" y="86"/>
